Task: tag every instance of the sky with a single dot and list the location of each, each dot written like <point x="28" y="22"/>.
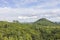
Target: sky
<point x="29" y="10"/>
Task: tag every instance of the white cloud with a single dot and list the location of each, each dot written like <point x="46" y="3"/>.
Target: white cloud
<point x="31" y="11"/>
<point x="27" y="17"/>
<point x="55" y="19"/>
<point x="36" y="13"/>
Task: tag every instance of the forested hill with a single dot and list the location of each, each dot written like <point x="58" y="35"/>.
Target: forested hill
<point x="42" y="29"/>
<point x="45" y="22"/>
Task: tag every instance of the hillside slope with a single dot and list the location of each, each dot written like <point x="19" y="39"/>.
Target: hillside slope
<point x="44" y="22"/>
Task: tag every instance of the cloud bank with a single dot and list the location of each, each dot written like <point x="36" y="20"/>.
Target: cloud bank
<point x="29" y="10"/>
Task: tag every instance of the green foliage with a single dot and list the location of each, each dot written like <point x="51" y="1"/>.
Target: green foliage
<point x="44" y="22"/>
<point x="40" y="30"/>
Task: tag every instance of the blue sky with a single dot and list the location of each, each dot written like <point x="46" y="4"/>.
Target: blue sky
<point x="29" y="10"/>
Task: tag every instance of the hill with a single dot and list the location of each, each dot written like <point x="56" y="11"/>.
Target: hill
<point x="44" y="22"/>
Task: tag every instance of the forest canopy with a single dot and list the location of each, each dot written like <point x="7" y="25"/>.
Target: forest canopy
<point x="42" y="29"/>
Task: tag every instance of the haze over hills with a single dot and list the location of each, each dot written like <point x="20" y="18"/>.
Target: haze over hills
<point x="39" y="21"/>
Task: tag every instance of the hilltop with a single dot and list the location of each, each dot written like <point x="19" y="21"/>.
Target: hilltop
<point x="44" y="22"/>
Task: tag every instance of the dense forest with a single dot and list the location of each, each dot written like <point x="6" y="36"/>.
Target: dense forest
<point x="42" y="29"/>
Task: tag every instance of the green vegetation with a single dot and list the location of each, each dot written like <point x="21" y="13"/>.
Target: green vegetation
<point x="42" y="29"/>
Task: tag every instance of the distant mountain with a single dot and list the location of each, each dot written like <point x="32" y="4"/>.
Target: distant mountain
<point x="44" y="22"/>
